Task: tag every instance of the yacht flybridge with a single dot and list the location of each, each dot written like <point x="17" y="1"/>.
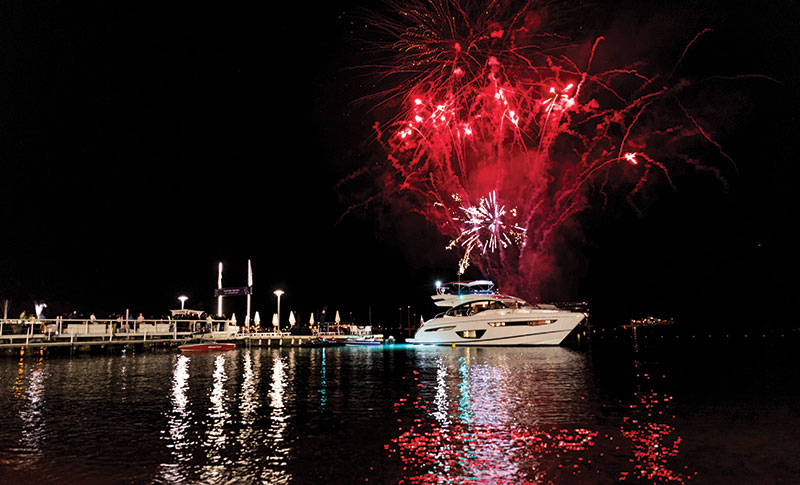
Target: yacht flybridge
<point x="480" y="317"/>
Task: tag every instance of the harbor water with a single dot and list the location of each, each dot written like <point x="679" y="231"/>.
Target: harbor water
<point x="602" y="413"/>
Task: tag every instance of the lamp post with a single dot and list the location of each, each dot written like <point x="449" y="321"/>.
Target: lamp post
<point x="219" y="286"/>
<point x="183" y="300"/>
<point x="278" y="293"/>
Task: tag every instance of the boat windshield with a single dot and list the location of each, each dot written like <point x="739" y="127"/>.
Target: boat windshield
<point x="478" y="287"/>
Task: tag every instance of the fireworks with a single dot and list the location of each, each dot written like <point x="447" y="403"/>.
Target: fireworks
<point x="494" y="104"/>
<point x="488" y="227"/>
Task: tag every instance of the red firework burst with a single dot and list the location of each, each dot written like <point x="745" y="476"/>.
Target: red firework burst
<point x="494" y="104"/>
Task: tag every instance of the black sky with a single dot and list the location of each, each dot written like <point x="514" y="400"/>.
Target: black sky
<point x="143" y="142"/>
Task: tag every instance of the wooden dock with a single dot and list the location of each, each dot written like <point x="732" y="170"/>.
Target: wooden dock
<point x="86" y="335"/>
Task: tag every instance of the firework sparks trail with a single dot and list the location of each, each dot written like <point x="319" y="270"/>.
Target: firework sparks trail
<point x="487" y="226"/>
<point x="494" y="104"/>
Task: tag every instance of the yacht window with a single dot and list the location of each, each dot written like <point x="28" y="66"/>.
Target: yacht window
<point x="471" y="333"/>
<point x="475" y="307"/>
<point x="458" y="311"/>
<point x="534" y="323"/>
<point x="479" y="306"/>
<point x="515" y="304"/>
<point x="439" y="329"/>
<point x="497" y="305"/>
<point x="531" y="323"/>
<point x="463" y="310"/>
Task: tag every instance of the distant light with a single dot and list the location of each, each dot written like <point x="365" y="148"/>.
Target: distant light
<point x="183" y="300"/>
<point x="438" y="284"/>
<point x="278" y="292"/>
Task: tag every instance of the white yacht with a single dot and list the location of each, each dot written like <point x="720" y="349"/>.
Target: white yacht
<point x="480" y="317"/>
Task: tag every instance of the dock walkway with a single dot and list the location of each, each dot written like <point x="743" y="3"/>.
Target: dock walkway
<point x="85" y="334"/>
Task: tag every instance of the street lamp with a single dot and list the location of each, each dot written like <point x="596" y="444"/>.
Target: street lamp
<point x="183" y="300"/>
<point x="278" y="293"/>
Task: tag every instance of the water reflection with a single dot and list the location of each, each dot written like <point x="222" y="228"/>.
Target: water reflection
<point x="654" y="440"/>
<point x="466" y="434"/>
<point x="123" y="375"/>
<point x="218" y="416"/>
<point x="253" y="415"/>
<point x="323" y="391"/>
<point x="276" y="471"/>
<point x="465" y="412"/>
<point x="249" y="399"/>
<point x="487" y="422"/>
<point x="31" y="413"/>
<point x="250" y="438"/>
<point x="441" y="400"/>
<point x="179" y="421"/>
<point x="18" y="387"/>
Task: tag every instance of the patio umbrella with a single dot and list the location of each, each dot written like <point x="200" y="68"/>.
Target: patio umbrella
<point x="291" y="319"/>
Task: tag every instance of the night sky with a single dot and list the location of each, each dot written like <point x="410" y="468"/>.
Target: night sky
<point x="143" y="142"/>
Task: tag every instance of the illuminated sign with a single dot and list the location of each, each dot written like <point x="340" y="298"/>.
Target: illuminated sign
<point x="243" y="291"/>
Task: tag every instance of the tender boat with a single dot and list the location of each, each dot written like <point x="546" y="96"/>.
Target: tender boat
<point x="362" y="341"/>
<point x="477" y="316"/>
<point x="206" y="347"/>
<point x="322" y="342"/>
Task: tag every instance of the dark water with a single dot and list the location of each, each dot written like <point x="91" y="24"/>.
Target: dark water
<point x="679" y="412"/>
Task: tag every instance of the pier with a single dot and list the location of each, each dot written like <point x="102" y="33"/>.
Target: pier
<point x="85" y="335"/>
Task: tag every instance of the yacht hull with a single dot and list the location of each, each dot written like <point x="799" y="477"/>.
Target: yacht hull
<point x="500" y="330"/>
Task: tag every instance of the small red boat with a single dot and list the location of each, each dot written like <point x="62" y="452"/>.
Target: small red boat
<point x="206" y="347"/>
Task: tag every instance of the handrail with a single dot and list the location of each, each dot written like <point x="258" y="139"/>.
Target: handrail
<point x="108" y="320"/>
<point x="110" y="329"/>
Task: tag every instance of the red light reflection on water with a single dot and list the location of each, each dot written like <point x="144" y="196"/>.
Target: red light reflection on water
<point x="456" y="452"/>
<point x="655" y="441"/>
<point x="458" y="437"/>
